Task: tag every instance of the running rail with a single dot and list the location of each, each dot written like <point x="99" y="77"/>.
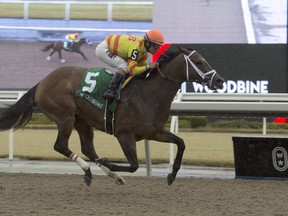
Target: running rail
<point x="207" y="104"/>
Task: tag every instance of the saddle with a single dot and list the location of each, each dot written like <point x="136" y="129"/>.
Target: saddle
<point x="93" y="84"/>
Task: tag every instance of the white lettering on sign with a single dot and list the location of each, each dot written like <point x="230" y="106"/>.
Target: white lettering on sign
<point x="239" y="86"/>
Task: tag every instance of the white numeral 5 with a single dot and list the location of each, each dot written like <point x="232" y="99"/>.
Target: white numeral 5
<point x="90" y="81"/>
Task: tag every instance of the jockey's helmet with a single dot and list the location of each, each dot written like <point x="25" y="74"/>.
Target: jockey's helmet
<point x="76" y="34"/>
<point x="154" y="36"/>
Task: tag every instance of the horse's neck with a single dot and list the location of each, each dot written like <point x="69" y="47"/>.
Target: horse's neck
<point x="166" y="89"/>
<point x="156" y="90"/>
<point x="160" y="90"/>
<point x="81" y="42"/>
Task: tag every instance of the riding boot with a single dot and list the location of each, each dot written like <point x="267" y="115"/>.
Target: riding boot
<point x="110" y="92"/>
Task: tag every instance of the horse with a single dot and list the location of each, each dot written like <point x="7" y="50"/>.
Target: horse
<point x="58" y="46"/>
<point x="142" y="111"/>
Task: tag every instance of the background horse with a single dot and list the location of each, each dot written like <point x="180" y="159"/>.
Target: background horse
<point x="142" y="111"/>
<point x="58" y="46"/>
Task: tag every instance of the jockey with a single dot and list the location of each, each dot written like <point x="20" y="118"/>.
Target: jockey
<point x="70" y="39"/>
<point x="129" y="55"/>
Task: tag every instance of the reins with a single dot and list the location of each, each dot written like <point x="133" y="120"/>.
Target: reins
<point x="165" y="77"/>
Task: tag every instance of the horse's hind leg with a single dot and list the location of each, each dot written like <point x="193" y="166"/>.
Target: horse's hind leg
<point x="63" y="114"/>
<point x="49" y="56"/>
<point x="61" y="146"/>
<point x="86" y="135"/>
<point x="60" y="57"/>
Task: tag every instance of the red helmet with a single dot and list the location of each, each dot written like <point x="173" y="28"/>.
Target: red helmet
<point x="76" y="34"/>
<point x="154" y="36"/>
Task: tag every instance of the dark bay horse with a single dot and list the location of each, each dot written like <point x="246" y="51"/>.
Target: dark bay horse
<point x="142" y="111"/>
<point x="58" y="47"/>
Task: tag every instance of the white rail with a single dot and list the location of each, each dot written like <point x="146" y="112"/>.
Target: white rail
<point x="68" y="4"/>
<point x="67" y="29"/>
<point x="272" y="104"/>
<point x="8" y="98"/>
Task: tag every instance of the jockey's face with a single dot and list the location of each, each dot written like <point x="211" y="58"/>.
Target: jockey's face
<point x="152" y="47"/>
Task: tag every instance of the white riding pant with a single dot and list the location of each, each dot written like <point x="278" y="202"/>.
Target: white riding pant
<point x="102" y="52"/>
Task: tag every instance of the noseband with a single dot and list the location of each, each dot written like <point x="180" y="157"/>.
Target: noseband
<point x="207" y="77"/>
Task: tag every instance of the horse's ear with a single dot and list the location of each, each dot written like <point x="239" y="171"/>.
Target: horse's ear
<point x="182" y="50"/>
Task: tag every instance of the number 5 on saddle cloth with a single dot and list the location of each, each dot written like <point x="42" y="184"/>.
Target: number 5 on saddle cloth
<point x="93" y="84"/>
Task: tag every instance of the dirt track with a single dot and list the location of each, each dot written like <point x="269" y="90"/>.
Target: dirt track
<point x="34" y="194"/>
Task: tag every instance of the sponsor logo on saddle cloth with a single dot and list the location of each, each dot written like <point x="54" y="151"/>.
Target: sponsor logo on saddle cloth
<point x="93" y="84"/>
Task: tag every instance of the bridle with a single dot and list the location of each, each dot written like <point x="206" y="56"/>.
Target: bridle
<point x="206" y="78"/>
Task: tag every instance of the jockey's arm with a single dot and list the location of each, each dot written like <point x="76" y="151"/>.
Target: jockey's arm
<point x="75" y="40"/>
<point x="138" y="67"/>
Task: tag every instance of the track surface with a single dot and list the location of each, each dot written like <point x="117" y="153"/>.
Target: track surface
<point x="42" y="194"/>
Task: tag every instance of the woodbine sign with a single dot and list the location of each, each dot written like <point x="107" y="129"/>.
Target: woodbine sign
<point x="239" y="86"/>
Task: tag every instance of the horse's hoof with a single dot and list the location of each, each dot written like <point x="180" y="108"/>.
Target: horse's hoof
<point x="170" y="179"/>
<point x="120" y="181"/>
<point x="48" y="58"/>
<point x="88" y="177"/>
<point x="62" y="60"/>
<point x="87" y="180"/>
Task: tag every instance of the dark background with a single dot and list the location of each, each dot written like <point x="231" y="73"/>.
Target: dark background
<point x="247" y="62"/>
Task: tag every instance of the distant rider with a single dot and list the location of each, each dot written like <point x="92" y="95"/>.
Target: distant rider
<point x="128" y="54"/>
<point x="70" y="39"/>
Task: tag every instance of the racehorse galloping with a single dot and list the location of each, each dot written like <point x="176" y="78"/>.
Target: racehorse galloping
<point x="58" y="46"/>
<point x="142" y="111"/>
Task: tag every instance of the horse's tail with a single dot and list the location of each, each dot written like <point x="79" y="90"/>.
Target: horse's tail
<point x="20" y="113"/>
<point x="50" y="46"/>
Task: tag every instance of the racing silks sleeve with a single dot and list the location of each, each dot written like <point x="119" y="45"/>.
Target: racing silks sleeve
<point x="134" y="67"/>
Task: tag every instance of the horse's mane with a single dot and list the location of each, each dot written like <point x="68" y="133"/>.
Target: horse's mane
<point x="169" y="54"/>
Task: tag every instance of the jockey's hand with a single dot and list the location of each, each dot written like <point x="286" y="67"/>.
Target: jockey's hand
<point x="153" y="65"/>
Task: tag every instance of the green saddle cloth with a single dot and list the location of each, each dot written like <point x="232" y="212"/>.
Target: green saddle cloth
<point x="93" y="84"/>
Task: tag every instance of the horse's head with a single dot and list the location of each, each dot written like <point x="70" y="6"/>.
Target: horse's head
<point x="205" y="74"/>
<point x="195" y="67"/>
<point x="85" y="40"/>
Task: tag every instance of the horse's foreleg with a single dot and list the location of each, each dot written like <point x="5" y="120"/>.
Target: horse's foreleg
<point x="82" y="54"/>
<point x="166" y="136"/>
